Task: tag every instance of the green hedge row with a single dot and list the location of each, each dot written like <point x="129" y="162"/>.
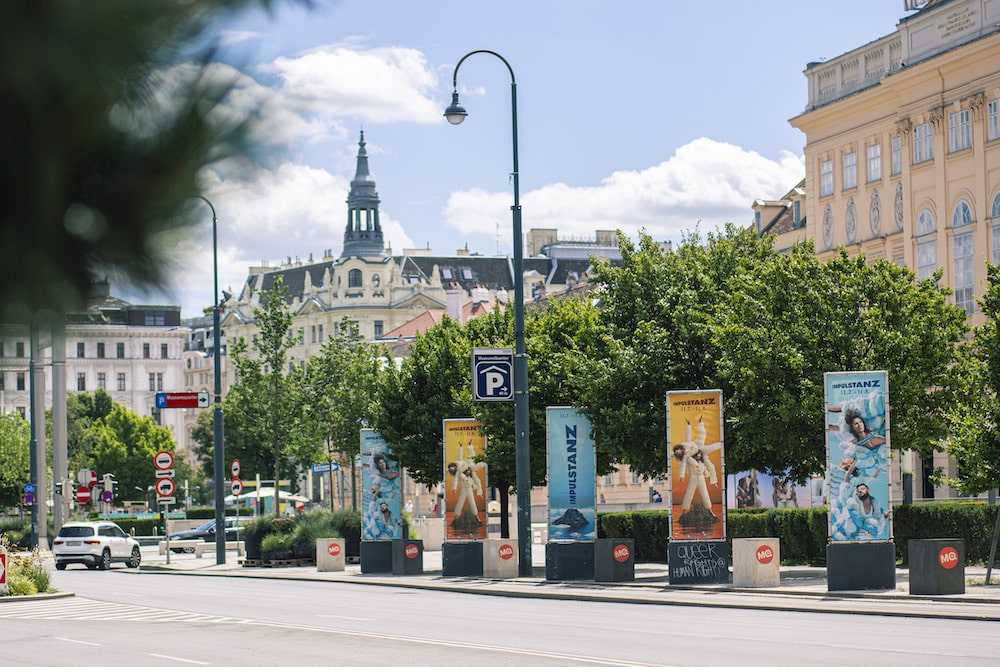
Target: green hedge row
<point x="802" y="531"/>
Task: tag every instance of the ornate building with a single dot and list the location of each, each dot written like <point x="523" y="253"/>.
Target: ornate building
<point x="902" y="158"/>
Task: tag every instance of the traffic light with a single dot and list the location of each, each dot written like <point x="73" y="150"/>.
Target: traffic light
<point x="59" y="488"/>
<point x="161" y="525"/>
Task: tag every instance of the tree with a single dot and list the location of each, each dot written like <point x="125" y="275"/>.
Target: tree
<point x="117" y="111"/>
<point x="974" y="423"/>
<point x="793" y="318"/>
<point x="658" y="307"/>
<point x="416" y="396"/>
<point x="15" y="458"/>
<point x="340" y="387"/>
<point x="265" y="402"/>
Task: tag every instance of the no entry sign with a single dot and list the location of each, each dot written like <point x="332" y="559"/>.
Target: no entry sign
<point x="83" y="494"/>
<point x="165" y="486"/>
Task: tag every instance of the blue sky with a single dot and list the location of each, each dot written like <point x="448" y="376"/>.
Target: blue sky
<point x="638" y="114"/>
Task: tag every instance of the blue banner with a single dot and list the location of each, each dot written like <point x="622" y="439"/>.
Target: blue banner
<point x="382" y="510"/>
<point x="572" y="516"/>
<point x="857" y="451"/>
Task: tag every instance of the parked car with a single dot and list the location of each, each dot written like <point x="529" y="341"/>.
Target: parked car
<point x="96" y="544"/>
<point x="206" y="533"/>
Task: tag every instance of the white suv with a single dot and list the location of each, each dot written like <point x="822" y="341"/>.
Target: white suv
<point x="95" y="544"/>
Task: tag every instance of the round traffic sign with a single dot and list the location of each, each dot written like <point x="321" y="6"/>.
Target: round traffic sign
<point x="29" y="488"/>
<point x="165" y="486"/>
<point x="91" y="478"/>
<point x="237" y="486"/>
<point x="236" y="468"/>
<point x="83" y="494"/>
<point x="163" y="460"/>
<point x="29" y="499"/>
<point x="107" y="496"/>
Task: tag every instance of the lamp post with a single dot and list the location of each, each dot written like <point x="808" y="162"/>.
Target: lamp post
<point x="217" y="434"/>
<point x="456" y="113"/>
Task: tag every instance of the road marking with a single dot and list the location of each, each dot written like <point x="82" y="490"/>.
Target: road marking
<point x="176" y="659"/>
<point x="345" y="618"/>
<point x="77" y="641"/>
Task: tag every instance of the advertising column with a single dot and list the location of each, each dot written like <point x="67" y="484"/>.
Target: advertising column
<point x="381" y="509"/>
<point x="698" y="552"/>
<point x="572" y="518"/>
<point x="860" y="552"/>
<point x="465" y="484"/>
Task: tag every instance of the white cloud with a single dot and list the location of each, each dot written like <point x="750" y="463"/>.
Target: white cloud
<point x="704" y="184"/>
<point x="382" y="85"/>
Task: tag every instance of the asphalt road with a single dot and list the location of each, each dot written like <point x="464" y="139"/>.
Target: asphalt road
<point x="127" y="618"/>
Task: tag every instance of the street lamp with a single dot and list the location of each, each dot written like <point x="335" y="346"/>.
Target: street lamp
<point x="217" y="441"/>
<point x="456" y="113"/>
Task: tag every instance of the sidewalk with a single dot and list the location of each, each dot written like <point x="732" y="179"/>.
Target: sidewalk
<point x="802" y="588"/>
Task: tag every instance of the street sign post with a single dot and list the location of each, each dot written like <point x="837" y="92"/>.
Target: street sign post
<point x="236" y="468"/>
<point x="330" y="466"/>
<point x="29" y="499"/>
<point x="165" y="486"/>
<point x="83" y="495"/>
<point x="492" y="374"/>
<point x="236" y="487"/>
<point x="107" y="496"/>
<point x="181" y="399"/>
<point x="163" y="460"/>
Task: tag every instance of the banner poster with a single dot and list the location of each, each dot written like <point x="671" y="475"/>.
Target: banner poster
<point x="753" y="488"/>
<point x="381" y="512"/>
<point x="857" y="456"/>
<point x="465" y="480"/>
<point x="571" y="465"/>
<point x="697" y="473"/>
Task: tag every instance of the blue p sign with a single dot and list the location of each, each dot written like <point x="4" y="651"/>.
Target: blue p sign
<point x="493" y="374"/>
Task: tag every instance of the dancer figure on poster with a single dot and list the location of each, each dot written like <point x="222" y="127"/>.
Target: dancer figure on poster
<point x="700" y="468"/>
<point x="466" y="481"/>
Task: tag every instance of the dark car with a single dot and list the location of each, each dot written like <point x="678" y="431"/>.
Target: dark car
<point x="206" y="533"/>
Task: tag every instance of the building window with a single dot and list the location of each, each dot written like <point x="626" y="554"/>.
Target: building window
<point x="959" y="130"/>
<point x="995" y="216"/>
<point x="897" y="155"/>
<point x="80" y="351"/>
<point x="163" y="351"/>
<point x="1" y="348"/>
<point x="850" y="170"/>
<point x="312" y="334"/>
<point x="3" y="382"/>
<point x="21" y="411"/>
<point x="152" y="381"/>
<point x="321" y="339"/>
<point x="826" y="178"/>
<point x="159" y="382"/>
<point x="145" y="350"/>
<point x="19" y="381"/>
<point x="354" y="278"/>
<point x="378" y="328"/>
<point x="926" y="248"/>
<point x="965" y="272"/>
<point x="102" y="381"/>
<point x="607" y="480"/>
<point x="81" y="382"/>
<point x="923" y="143"/>
<point x="797" y="214"/>
<point x="155" y="318"/>
<point x="962" y="215"/>
<point x="993" y="120"/>
<point x="121" y="382"/>
<point x="100" y="350"/>
<point x="874" y="162"/>
<point x="19" y="349"/>
<point x="120" y="350"/>
<point x="756" y="220"/>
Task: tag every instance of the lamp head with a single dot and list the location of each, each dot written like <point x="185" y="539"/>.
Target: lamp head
<point x="455" y="113"/>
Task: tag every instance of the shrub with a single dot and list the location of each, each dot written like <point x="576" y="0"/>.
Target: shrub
<point x="277" y="546"/>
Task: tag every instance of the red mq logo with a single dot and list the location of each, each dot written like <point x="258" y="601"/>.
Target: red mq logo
<point x="333" y="548"/>
<point x="621" y="553"/>
<point x="411" y="551"/>
<point x="506" y="552"/>
<point x="948" y="557"/>
<point x="765" y="554"/>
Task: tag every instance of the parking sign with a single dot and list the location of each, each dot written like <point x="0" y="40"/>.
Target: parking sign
<point x="492" y="374"/>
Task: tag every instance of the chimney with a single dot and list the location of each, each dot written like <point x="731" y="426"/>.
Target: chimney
<point x="454" y="302"/>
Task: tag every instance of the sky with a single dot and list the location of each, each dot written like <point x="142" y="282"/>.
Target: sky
<point x="641" y="115"/>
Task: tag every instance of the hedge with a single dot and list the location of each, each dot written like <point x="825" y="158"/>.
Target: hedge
<point x="802" y="531"/>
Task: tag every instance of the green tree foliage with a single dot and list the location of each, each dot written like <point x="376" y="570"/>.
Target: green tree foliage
<point x="112" y="110"/>
<point x="83" y="410"/>
<point x="792" y="318"/>
<point x="973" y="438"/>
<point x="263" y="409"/>
<point x="15" y="458"/>
<point x="658" y="308"/>
<point x="426" y="388"/>
<point x="340" y="390"/>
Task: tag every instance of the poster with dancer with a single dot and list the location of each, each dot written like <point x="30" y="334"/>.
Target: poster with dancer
<point x="857" y="456"/>
<point x="465" y="480"/>
<point x="381" y="512"/>
<point x="571" y="465"/>
<point x="697" y="473"/>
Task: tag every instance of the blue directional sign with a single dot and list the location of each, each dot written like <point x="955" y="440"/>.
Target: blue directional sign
<point x="325" y="467"/>
<point x="29" y="488"/>
<point x="492" y="374"/>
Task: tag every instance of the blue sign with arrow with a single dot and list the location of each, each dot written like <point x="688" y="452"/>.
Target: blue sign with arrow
<point x="492" y="374"/>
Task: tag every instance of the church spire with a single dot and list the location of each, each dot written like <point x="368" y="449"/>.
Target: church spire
<point x="363" y="236"/>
